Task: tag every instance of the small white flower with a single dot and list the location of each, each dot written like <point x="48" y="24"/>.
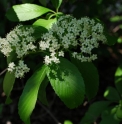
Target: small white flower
<point x="5" y="47"/>
<point x="55" y="59"/>
<point x="61" y="53"/>
<point x="11" y="67"/>
<point x="21" y="69"/>
<point x="74" y="54"/>
<point x="93" y="57"/>
<point x="44" y="45"/>
<point x="47" y="60"/>
<point x="53" y="54"/>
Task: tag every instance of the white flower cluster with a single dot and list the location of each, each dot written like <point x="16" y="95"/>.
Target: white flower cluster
<point x="19" y="70"/>
<point x="79" y="37"/>
<point x="21" y="41"/>
<point x="68" y="34"/>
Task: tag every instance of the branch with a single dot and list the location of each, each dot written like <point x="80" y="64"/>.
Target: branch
<point x="3" y="71"/>
<point x="57" y="122"/>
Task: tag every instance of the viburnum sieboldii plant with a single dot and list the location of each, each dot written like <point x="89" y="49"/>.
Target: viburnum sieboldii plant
<point x="67" y="34"/>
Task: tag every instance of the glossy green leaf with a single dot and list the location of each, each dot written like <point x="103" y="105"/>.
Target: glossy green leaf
<point x="29" y="95"/>
<point x="44" y="23"/>
<point x="67" y="122"/>
<point x="42" y="91"/>
<point x="90" y="76"/>
<point x="118" y="79"/>
<point x="67" y="82"/>
<point x="94" y="112"/>
<point x="24" y="12"/>
<point x="56" y="3"/>
<point x="111" y="94"/>
<point x="8" y="83"/>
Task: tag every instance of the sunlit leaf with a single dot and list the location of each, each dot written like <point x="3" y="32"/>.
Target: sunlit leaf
<point x="118" y="79"/>
<point x="24" y="12"/>
<point x="29" y="96"/>
<point x="67" y="82"/>
<point x="44" y="23"/>
<point x="67" y="122"/>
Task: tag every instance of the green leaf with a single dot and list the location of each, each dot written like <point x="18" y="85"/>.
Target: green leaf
<point x="90" y="76"/>
<point x="94" y="111"/>
<point x="8" y="83"/>
<point x="67" y="122"/>
<point x="119" y="112"/>
<point x="116" y="18"/>
<point x="67" y="82"/>
<point x="56" y="3"/>
<point x="111" y="94"/>
<point x="28" y="98"/>
<point x="118" y="79"/>
<point x="24" y="12"/>
<point x="108" y="116"/>
<point x="42" y="91"/>
<point x="44" y="23"/>
<point x="119" y="40"/>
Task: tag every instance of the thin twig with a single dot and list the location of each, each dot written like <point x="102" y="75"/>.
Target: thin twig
<point x="57" y="122"/>
<point x="3" y="71"/>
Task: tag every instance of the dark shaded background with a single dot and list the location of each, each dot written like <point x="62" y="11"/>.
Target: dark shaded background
<point x="109" y="57"/>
